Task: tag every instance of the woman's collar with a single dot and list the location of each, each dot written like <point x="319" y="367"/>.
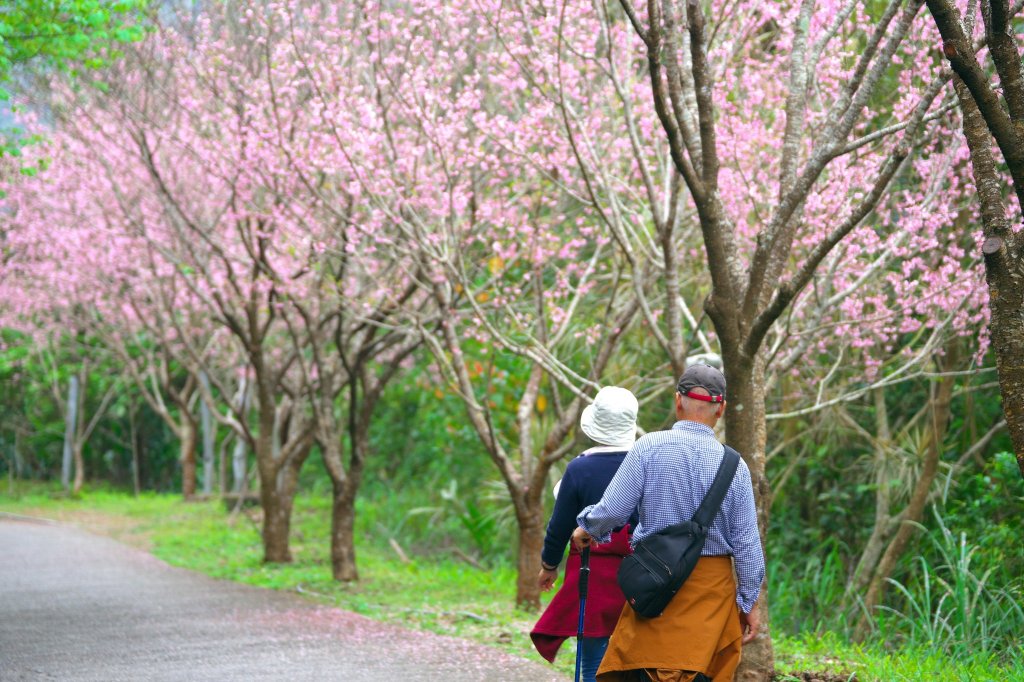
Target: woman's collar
<point x="602" y="449"/>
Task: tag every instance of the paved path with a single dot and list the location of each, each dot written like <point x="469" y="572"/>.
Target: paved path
<point x="74" y="606"/>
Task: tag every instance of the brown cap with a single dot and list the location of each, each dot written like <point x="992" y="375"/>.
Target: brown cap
<point x="706" y="377"/>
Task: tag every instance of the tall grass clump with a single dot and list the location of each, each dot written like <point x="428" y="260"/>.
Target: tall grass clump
<point x="806" y="593"/>
<point x="950" y="605"/>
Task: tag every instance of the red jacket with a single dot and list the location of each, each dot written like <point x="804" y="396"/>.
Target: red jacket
<point x="560" y="619"/>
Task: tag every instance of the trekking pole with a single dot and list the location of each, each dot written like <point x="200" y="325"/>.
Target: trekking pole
<point x="584" y="579"/>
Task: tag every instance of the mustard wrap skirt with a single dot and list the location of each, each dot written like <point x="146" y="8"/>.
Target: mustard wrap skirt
<point x="699" y="632"/>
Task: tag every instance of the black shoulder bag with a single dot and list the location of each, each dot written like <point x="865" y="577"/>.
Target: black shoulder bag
<point x="661" y="563"/>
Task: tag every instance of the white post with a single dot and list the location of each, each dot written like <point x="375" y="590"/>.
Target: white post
<point x="70" y="424"/>
<point x="19" y="459"/>
<point x="133" y="414"/>
<point x="209" y="435"/>
<point x="239" y="468"/>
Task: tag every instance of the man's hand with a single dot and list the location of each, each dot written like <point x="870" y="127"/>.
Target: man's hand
<point x="581" y="538"/>
<point x="749" y="623"/>
<point x="546" y="578"/>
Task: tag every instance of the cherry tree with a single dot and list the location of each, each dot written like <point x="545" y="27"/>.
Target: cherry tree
<point x="178" y="169"/>
<point x="481" y="139"/>
<point x="224" y="225"/>
<point x="242" y="253"/>
<point x="99" y="279"/>
<point x="311" y="190"/>
<point x="69" y="274"/>
<point x="790" y="135"/>
<point x="266" y="247"/>
<point x="420" y="155"/>
<point x="346" y="341"/>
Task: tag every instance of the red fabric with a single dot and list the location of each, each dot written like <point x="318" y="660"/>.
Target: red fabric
<point x="706" y="398"/>
<point x="560" y="619"/>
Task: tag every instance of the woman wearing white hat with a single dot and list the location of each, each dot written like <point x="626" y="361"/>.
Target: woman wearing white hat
<point x="610" y="421"/>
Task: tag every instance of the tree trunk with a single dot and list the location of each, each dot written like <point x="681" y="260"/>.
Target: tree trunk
<point x="187" y="455"/>
<point x="882" y="531"/>
<point x="746" y="431"/>
<point x="531" y="542"/>
<point x="1004" y="269"/>
<point x="278" y="483"/>
<point x="1004" y="272"/>
<point x="985" y="116"/>
<point x="940" y="409"/>
<point x="222" y="466"/>
<point x="79" y="457"/>
<point x="343" y="520"/>
<point x="277" y="520"/>
<point x="345" y="486"/>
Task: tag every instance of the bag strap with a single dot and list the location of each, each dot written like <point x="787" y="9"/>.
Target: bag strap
<point x="723" y="478"/>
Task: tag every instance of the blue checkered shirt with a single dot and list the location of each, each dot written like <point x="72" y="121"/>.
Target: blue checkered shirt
<point x="666" y="474"/>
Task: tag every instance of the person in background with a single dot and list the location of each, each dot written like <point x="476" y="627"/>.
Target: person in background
<point x="611" y="422"/>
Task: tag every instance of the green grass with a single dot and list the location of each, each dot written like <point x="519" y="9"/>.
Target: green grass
<point x="948" y="620"/>
<point x="876" y="662"/>
<point x="431" y="591"/>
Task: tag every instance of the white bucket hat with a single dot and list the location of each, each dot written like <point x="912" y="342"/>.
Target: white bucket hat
<point x="611" y="418"/>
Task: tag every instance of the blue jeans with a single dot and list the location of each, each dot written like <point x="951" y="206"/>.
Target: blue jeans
<point x="591" y="654"/>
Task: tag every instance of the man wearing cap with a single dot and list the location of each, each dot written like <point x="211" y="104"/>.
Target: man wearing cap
<point x="667" y="474"/>
<point x="610" y="421"/>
